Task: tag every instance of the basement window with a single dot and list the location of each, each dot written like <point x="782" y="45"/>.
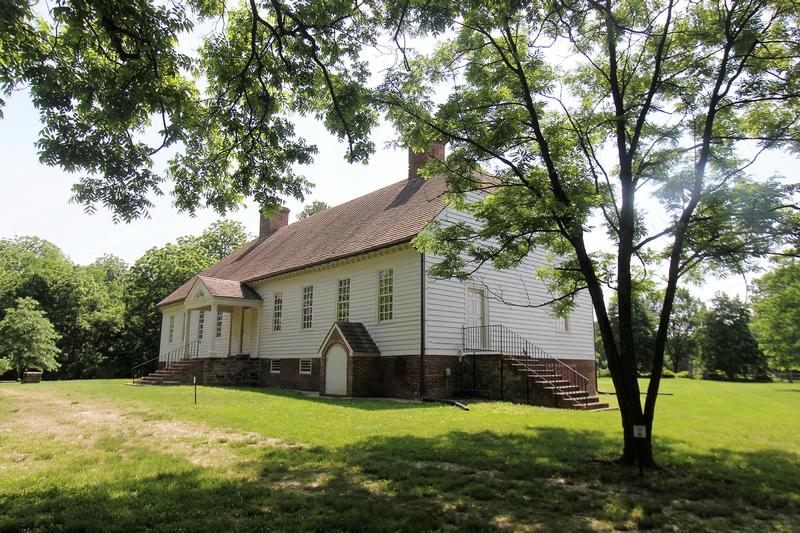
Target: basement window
<point x="305" y="366"/>
<point x="275" y="366"/>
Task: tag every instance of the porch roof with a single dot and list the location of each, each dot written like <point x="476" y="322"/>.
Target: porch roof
<point x="226" y="288"/>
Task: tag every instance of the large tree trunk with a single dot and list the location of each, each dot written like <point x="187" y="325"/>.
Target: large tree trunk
<point x="636" y="450"/>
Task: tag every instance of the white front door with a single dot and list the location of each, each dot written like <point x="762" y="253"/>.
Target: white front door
<point x="336" y="371"/>
<point x="476" y="317"/>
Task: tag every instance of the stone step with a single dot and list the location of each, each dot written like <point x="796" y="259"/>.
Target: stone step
<point x="571" y="394"/>
<point x="595" y="406"/>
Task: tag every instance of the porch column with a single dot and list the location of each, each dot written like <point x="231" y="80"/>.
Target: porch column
<point x="255" y="322"/>
<point x="212" y="349"/>
<point x="186" y="315"/>
<point x="241" y="329"/>
<point x="230" y="331"/>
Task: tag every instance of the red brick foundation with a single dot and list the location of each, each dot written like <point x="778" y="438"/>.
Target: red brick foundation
<point x="289" y="377"/>
<point x="484" y="376"/>
<point x="393" y="377"/>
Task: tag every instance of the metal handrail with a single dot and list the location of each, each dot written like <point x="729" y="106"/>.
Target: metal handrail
<point x="186" y="351"/>
<point x="497" y="338"/>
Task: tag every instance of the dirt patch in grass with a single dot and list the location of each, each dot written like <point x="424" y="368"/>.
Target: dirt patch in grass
<point x="93" y="423"/>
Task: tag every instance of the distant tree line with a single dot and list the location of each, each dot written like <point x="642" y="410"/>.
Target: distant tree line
<point x="98" y="320"/>
<point x="728" y="339"/>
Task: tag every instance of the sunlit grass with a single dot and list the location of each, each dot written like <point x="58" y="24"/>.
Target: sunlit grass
<point x="109" y="456"/>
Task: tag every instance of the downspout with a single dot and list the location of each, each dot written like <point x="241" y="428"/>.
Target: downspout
<point x="422" y="326"/>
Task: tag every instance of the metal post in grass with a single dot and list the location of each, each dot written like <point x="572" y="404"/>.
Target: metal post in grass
<point x="194" y="381"/>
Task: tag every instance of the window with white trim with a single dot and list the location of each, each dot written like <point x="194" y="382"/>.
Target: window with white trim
<point x="304" y="367"/>
<point x="308" y="306"/>
<point x="343" y="301"/>
<point x="385" y="294"/>
<point x="562" y="324"/>
<point x="275" y="366"/>
<point x="219" y="325"/>
<point x="277" y="311"/>
<point x="201" y="322"/>
<point x="171" y="328"/>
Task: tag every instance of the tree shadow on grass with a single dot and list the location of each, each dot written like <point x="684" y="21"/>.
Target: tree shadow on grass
<point x="541" y="479"/>
<point x="362" y="404"/>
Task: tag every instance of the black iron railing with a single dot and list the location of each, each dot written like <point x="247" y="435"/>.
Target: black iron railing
<point x="498" y="339"/>
<point x="187" y="351"/>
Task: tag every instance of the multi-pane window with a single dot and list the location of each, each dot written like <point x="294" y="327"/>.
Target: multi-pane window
<point x="385" y="294"/>
<point x="201" y="321"/>
<point x="171" y="328"/>
<point x="305" y="366"/>
<point x="275" y="366"/>
<point x="219" y="325"/>
<point x="277" y="311"/>
<point x="308" y="306"/>
<point x="343" y="301"/>
<point x="562" y="324"/>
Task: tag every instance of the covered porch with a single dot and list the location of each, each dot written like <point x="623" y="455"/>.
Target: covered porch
<point x="221" y="319"/>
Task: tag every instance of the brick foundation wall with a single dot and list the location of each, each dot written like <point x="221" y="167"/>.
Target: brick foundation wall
<point x="392" y="377"/>
<point x="399" y="377"/>
<point x="483" y="376"/>
<point x="587" y="367"/>
<point x="438" y="384"/>
<point x="289" y="376"/>
<point x="364" y="375"/>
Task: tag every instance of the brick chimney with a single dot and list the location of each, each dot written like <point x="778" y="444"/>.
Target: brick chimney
<point x="271" y="224"/>
<point x="417" y="161"/>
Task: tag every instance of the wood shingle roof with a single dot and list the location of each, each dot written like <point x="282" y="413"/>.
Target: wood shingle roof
<point x="388" y="216"/>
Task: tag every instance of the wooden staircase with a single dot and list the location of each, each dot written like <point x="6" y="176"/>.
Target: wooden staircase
<point x="177" y="373"/>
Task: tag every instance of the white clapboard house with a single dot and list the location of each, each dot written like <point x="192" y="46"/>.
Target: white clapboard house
<point x="341" y="303"/>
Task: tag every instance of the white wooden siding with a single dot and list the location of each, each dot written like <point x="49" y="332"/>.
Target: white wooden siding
<point x="445" y="307"/>
<point x="177" y="340"/>
<point x="209" y="332"/>
<point x="399" y="336"/>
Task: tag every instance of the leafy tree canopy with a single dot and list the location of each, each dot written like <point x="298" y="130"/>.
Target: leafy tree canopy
<point x="220" y="239"/>
<point x="313" y="208"/>
<point x="777" y="314"/>
<point x="83" y="306"/>
<point x="727" y="344"/>
<point x="683" y="326"/>
<point x="27" y="338"/>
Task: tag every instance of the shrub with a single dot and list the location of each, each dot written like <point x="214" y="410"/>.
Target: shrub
<point x="667" y="374"/>
<point x="683" y="374"/>
<point x="716" y="375"/>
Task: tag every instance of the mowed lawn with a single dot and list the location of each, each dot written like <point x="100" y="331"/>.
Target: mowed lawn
<point x="102" y="455"/>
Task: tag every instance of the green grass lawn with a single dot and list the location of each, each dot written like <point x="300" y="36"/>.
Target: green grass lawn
<point x="90" y="455"/>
